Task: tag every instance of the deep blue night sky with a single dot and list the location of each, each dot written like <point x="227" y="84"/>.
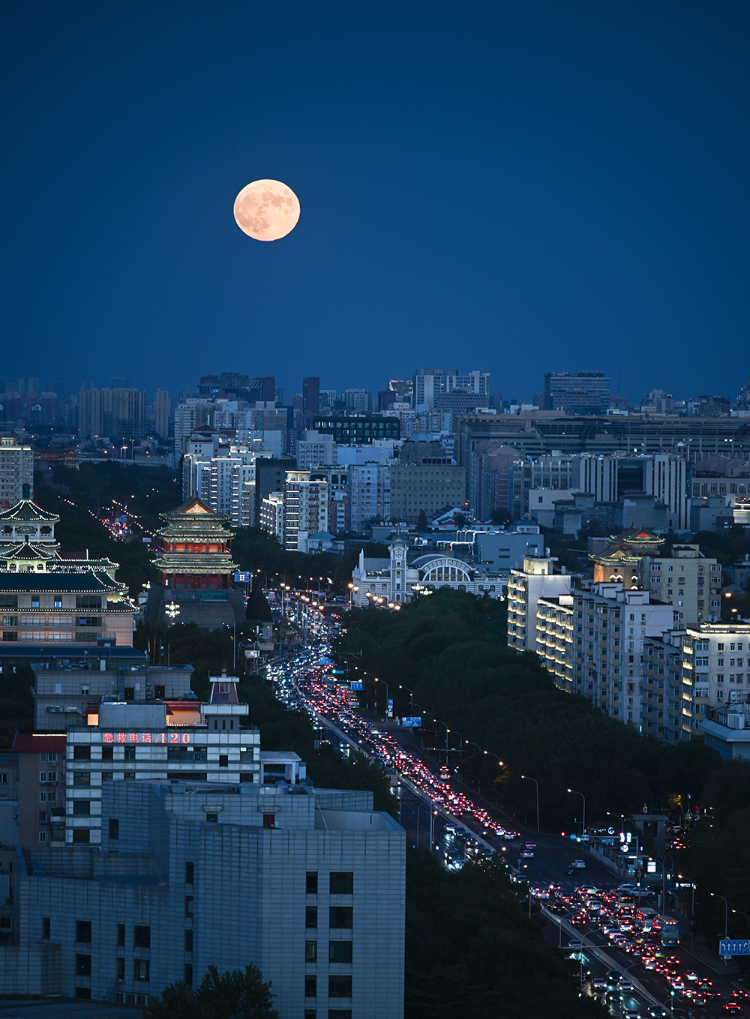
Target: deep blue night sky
<point x="513" y="187"/>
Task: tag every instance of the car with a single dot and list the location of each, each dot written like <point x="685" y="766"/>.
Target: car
<point x="626" y="987"/>
<point x="526" y="854"/>
<point x="631" y="1013"/>
<point x="731" y="1007"/>
<point x="570" y="870"/>
<point x="575" y="944"/>
<point x="599" y="985"/>
<point x="614" y="997"/>
<point x="738" y="994"/>
<point x="691" y="975"/>
<point x="656" y="1012"/>
<point x="579" y="864"/>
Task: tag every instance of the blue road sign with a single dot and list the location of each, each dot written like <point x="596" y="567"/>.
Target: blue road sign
<point x="357" y="685"/>
<point x="241" y="578"/>
<point x="412" y="721"/>
<point x="731" y="946"/>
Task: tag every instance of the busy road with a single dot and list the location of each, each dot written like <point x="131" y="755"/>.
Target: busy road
<point x="627" y="952"/>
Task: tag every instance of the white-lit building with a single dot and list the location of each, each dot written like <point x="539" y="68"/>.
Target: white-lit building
<point x="536" y="579"/>
<point x="399" y="578"/>
<point x="16" y="470"/>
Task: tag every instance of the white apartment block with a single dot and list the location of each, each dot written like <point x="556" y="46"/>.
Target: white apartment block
<point x="316" y="450"/>
<point x="305" y="507"/>
<point x="715" y="670"/>
<point x="272" y="515"/>
<point x="686" y="580"/>
<point x="16" y="470"/>
<point x="592" y="642"/>
<point x="525" y="587"/>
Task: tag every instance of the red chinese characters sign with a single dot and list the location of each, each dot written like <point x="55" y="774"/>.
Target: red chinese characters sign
<point x="171" y="738"/>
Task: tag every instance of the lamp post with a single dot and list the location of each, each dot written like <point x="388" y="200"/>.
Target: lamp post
<point x="530" y="779"/>
<point x="411" y="695"/>
<point x="461" y="739"/>
<point x="583" y="822"/>
<point x="471" y="743"/>
<point x="715" y="895"/>
<point x="692" y="895"/>
<point x="387" y="696"/>
<point x="739" y="911"/>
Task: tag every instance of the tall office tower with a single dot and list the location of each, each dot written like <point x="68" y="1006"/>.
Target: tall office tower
<point x="584" y="393"/>
<point x="161" y="413"/>
<point x="262" y="389"/>
<point x="33" y="386"/>
<point x="16" y="470"/>
<point x="311" y="395"/>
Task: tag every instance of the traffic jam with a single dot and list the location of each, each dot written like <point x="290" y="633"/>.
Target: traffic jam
<point x="655" y="977"/>
<point x="648" y="943"/>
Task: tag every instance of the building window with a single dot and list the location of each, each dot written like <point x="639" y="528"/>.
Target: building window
<point x="340" y="918"/>
<point x="81" y="753"/>
<point x="129" y="753"/>
<point x="120" y="968"/>
<point x="83" y="932"/>
<point x="121" y="935"/>
<point x="141" y="937"/>
<point x="108" y="753"/>
<point x="82" y="778"/>
<point x="45" y="928"/>
<point x="269" y="820"/>
<point x="223" y="760"/>
<point x="311" y="882"/>
<point x="43" y="836"/>
<point x="342" y="883"/>
<point x="129" y="774"/>
<point x="188" y="905"/>
<point x="339" y="1013"/>
<point x="311" y="916"/>
<point x="188" y="941"/>
<point x="141" y="969"/>
<point x="189" y="872"/>
<point x="83" y="965"/>
<point x="339" y="987"/>
<point x="212" y="818"/>
<point x="339" y="951"/>
<point x="114" y="828"/>
<point x="311" y="987"/>
<point x="311" y="951"/>
<point x="43" y="813"/>
<point x="188" y="974"/>
<point x="81" y="808"/>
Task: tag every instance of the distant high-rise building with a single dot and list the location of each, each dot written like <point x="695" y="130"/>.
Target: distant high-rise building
<point x="430" y="382"/>
<point x="584" y="393"/>
<point x="311" y="395"/>
<point x="161" y="413"/>
<point x="358" y="399"/>
<point x="262" y="389"/>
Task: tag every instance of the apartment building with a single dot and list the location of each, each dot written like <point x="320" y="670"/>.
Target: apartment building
<point x="661" y="687"/>
<point x="16" y="470"/>
<point x="715" y="671"/>
<point x="686" y="580"/>
<point x="305" y="507"/>
<point x="592" y="642"/>
<point x="535" y="580"/>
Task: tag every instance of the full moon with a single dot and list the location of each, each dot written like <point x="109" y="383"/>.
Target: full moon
<point x="266" y="210"/>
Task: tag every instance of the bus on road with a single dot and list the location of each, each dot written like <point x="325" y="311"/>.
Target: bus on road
<point x="668" y="928"/>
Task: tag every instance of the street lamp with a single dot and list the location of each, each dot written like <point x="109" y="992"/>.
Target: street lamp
<point x="740" y="912"/>
<point x="583" y="823"/>
<point x="411" y="694"/>
<point x="715" y="895"/>
<point x="530" y="779"/>
<point x="460" y="738"/>
<point x="387" y="696"/>
<point x="172" y="609"/>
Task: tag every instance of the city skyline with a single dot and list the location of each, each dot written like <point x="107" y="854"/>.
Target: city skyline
<point x="549" y="188"/>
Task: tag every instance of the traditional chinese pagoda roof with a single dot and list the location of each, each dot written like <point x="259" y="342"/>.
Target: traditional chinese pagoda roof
<point x="27" y="511"/>
<point x="629" y="547"/>
<point x="88" y="582"/>
<point x="195" y="562"/>
<point x="193" y="519"/>
<point x="26" y="551"/>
